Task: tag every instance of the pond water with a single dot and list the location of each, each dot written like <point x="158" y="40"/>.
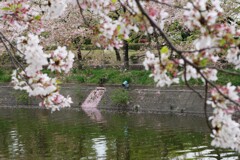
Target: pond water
<point x="71" y="134"/>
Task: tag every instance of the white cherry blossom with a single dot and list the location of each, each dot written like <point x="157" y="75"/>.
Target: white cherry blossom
<point x="61" y="60"/>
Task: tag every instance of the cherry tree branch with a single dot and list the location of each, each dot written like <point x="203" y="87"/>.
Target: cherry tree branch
<point x="218" y="90"/>
<point x="179" y="52"/>
<point x="16" y="63"/>
<point x="169" y="5"/>
<point x="81" y="12"/>
<point x="186" y="82"/>
<point x="205" y="105"/>
<point x="226" y="71"/>
<point x="156" y="26"/>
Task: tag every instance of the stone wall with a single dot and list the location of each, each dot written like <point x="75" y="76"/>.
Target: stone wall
<point x="176" y="100"/>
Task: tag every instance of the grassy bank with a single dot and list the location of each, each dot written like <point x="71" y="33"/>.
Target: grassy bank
<point x="5" y="75"/>
<point x="117" y="76"/>
<point x="110" y="76"/>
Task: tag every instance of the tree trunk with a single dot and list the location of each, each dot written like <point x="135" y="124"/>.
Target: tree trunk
<point x="126" y="58"/>
<point x="118" y="57"/>
<point x="125" y="48"/>
<point x="79" y="56"/>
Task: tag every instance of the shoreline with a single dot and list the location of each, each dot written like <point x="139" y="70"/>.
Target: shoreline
<point x="142" y="99"/>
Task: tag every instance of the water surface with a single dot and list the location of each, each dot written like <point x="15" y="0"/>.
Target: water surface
<point x="71" y="134"/>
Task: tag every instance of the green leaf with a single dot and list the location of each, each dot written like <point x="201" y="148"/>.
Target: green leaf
<point x="118" y="28"/>
<point x="164" y="50"/>
<point x="222" y="42"/>
<point x="204" y="62"/>
<point x="6" y="9"/>
<point x="19" y="5"/>
<point x="114" y="1"/>
<point x="120" y="36"/>
<point x="38" y="17"/>
<point x="58" y="81"/>
<point x="169" y="66"/>
<point x="236" y="9"/>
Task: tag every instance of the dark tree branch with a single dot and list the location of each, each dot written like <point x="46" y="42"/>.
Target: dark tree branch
<point x="226" y="71"/>
<point x="218" y="90"/>
<point x="205" y="105"/>
<point x="169" y="5"/>
<point x="158" y="45"/>
<point x="81" y="12"/>
<point x="16" y="63"/>
<point x="186" y="82"/>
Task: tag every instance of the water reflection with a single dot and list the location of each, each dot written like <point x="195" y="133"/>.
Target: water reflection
<point x="100" y="146"/>
<point x="90" y="104"/>
<point x="15" y="147"/>
<point x="203" y="153"/>
<point x="69" y="134"/>
<point x="94" y="114"/>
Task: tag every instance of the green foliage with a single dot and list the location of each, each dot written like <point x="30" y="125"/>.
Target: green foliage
<point x="174" y="26"/>
<point x="164" y="50"/>
<point x="179" y="34"/>
<point x="223" y="78"/>
<point x="5" y="59"/>
<point x="5" y="75"/>
<point x="80" y="79"/>
<point x="117" y="76"/>
<point x="193" y="82"/>
<point x="87" y="41"/>
<point x="135" y="46"/>
<point x="50" y="48"/>
<point x="45" y="34"/>
<point x="21" y="97"/>
<point x="111" y="76"/>
<point x="88" y="47"/>
<point x="120" y="97"/>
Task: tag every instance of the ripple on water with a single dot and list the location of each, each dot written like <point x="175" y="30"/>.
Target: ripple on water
<point x="71" y="134"/>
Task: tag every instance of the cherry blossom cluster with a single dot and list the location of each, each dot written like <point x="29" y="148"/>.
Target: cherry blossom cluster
<point x="33" y="80"/>
<point x="111" y="31"/>
<point x="23" y="15"/>
<point x="60" y="32"/>
<point x="15" y="12"/>
<point x="18" y="16"/>
<point x="33" y="54"/>
<point x="157" y="14"/>
<point x="226" y="131"/>
<point x="61" y="60"/>
<point x="15" y="15"/>
<point x="164" y="73"/>
<point x="216" y="38"/>
<point x="199" y="14"/>
<point x="52" y="8"/>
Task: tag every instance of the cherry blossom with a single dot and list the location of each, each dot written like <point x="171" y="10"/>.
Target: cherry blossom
<point x="226" y="131"/>
<point x="159" y="71"/>
<point x="61" y="60"/>
<point x="33" y="53"/>
<point x="56" y="101"/>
